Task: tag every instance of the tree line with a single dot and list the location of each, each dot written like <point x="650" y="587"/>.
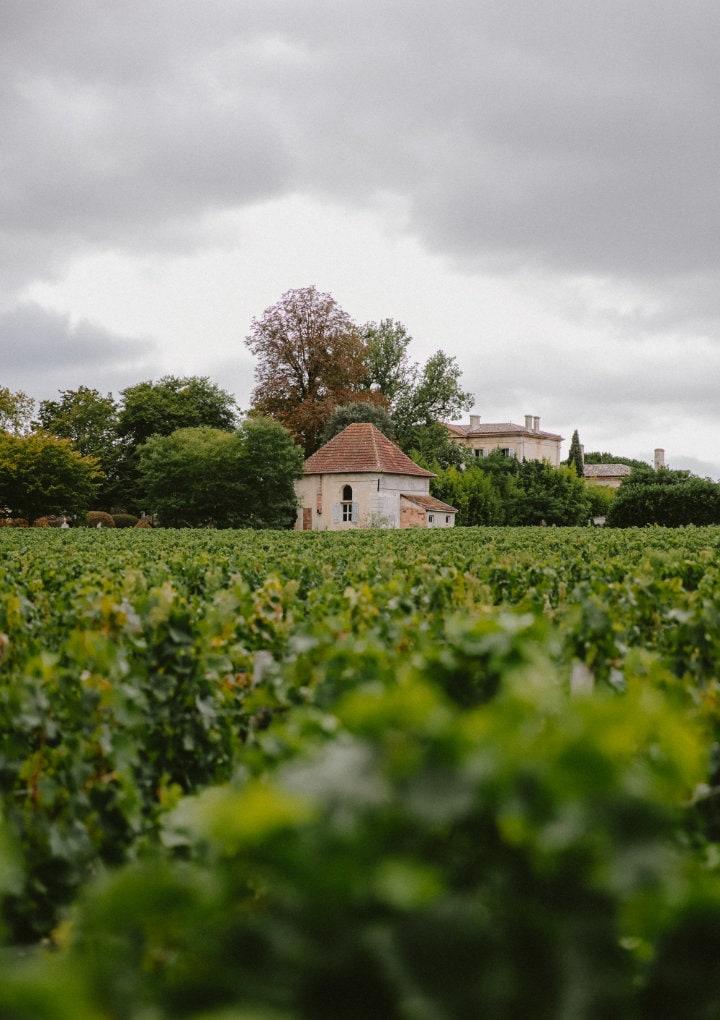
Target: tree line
<point x="181" y="449"/>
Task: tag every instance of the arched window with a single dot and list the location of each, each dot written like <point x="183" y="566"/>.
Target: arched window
<point x="347" y="506"/>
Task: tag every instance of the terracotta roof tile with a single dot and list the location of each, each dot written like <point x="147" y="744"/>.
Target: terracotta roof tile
<point x="428" y="502"/>
<point x="359" y="448"/>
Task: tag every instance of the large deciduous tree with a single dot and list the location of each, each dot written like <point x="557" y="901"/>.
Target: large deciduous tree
<point x="174" y="402"/>
<point x="435" y="396"/>
<point x="90" y="421"/>
<point x="311" y="358"/>
<point x="200" y="477"/>
<point x="16" y="411"/>
<point x="161" y="408"/>
<point x="389" y="369"/>
<point x="40" y="475"/>
<point x="85" y="417"/>
<point x="418" y="398"/>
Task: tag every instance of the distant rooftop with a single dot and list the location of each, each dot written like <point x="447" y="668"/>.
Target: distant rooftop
<point x="503" y="428"/>
<point x="606" y="470"/>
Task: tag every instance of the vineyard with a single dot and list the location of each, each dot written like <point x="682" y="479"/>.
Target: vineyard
<point x="415" y="775"/>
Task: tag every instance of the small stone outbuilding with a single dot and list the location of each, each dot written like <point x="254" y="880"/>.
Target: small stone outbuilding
<point x="362" y="479"/>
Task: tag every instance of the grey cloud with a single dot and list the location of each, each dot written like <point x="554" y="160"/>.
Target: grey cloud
<point x="42" y="351"/>
<point x="578" y="137"/>
<point x="611" y="392"/>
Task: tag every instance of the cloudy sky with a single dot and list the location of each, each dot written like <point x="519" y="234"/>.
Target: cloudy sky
<point x="532" y="186"/>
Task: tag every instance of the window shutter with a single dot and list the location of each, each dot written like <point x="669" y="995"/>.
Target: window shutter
<point x="355" y="513"/>
<point x="336" y="513"/>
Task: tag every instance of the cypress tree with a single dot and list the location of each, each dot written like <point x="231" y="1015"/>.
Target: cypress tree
<point x="575" y="455"/>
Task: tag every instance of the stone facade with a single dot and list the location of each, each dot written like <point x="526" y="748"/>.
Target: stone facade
<point x="361" y="479"/>
<point x="609" y="475"/>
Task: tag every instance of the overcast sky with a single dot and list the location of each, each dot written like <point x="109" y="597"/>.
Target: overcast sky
<point x="532" y="186"/>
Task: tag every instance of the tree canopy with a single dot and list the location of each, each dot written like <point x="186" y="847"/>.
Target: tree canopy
<point x="575" y="455"/>
<point x="501" y="490"/>
<point x="418" y="397"/>
<point x="311" y="358"/>
<point x="85" y="417"/>
<point x="389" y="369"/>
<point x="664" y="497"/>
<point x="40" y="475"/>
<point x="358" y="411"/>
<point x="603" y="457"/>
<point x="16" y="411"/>
<point x="90" y="421"/>
<point x="174" y="402"/>
<point x="200" y="477"/>
<point x="434" y="396"/>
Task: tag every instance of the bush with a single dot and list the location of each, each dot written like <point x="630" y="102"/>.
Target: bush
<point x="667" y="498"/>
<point x="99" y="519"/>
<point x="13" y="522"/>
<point x="125" y="520"/>
<point x="601" y="497"/>
<point x="41" y="522"/>
<point x="144" y="522"/>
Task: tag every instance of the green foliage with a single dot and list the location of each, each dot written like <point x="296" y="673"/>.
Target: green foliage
<point x="90" y="421"/>
<point x="86" y="418"/>
<point x="434" y="396"/>
<point x="193" y="478"/>
<point x="40" y="474"/>
<point x="389" y="369"/>
<point x="271" y="463"/>
<point x="548" y="495"/>
<point x="16" y="410"/>
<point x="665" y="497"/>
<point x="575" y="455"/>
<point x="99" y="519"/>
<point x="124" y="520"/>
<point x="310" y="360"/>
<point x="358" y="411"/>
<point x="321" y="775"/>
<point x="205" y="477"/>
<point x="158" y="409"/>
<point x="601" y="497"/>
<point x="473" y="494"/>
<point x="433" y="447"/>
<point x="501" y="490"/>
<point x="596" y="457"/>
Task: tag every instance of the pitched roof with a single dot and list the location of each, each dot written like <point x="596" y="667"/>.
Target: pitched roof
<point x="359" y="448"/>
<point x="428" y="502"/>
<point x="501" y="428"/>
<point x="606" y="470"/>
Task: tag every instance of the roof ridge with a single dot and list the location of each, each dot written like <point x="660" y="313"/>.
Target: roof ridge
<point x="362" y="447"/>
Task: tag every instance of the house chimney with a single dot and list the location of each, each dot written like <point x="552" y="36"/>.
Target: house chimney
<point x="528" y="422"/>
<point x="474" y="421"/>
<point x="659" y="460"/>
<point x="536" y="424"/>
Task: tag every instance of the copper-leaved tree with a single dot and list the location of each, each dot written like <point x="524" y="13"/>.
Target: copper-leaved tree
<point x="311" y="359"/>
